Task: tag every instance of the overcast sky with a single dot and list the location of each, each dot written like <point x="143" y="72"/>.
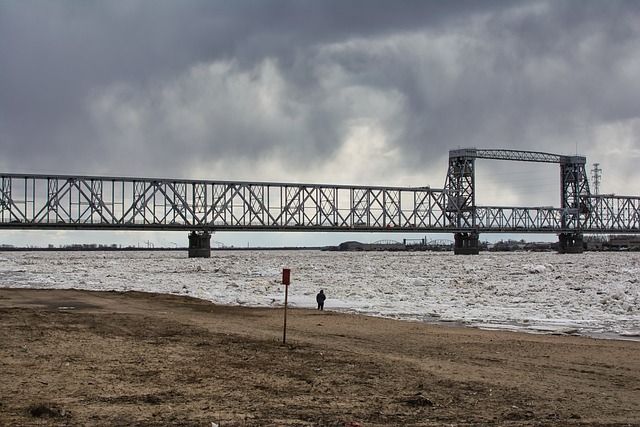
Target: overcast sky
<point x="350" y="92"/>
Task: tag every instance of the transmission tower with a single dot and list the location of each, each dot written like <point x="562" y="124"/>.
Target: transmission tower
<point x="596" y="174"/>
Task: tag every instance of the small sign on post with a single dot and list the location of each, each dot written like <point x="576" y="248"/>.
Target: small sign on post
<point x="286" y="279"/>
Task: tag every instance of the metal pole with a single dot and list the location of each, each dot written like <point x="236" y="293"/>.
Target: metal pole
<point x="286" y="297"/>
<point x="286" y="279"/>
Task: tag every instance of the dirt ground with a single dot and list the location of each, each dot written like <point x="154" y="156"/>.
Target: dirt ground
<point x="122" y="359"/>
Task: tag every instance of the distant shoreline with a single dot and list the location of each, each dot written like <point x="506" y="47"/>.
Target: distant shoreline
<point x="136" y="249"/>
<point x="266" y="248"/>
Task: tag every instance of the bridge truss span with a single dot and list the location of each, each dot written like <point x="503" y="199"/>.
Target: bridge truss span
<point x="36" y="201"/>
<point x="517" y="219"/>
<point x="610" y="213"/>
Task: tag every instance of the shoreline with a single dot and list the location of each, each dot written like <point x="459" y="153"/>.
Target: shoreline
<point x="513" y="327"/>
<point x="502" y="327"/>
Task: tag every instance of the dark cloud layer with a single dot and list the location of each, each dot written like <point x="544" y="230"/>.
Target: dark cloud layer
<point x="349" y="91"/>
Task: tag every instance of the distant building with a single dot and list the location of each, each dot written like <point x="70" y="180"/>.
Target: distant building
<point x="351" y="245"/>
<point x="631" y="242"/>
<point x="394" y="246"/>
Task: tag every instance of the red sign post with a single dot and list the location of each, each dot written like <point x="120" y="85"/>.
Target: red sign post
<point x="286" y="279"/>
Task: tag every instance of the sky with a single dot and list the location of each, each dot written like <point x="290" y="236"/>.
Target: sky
<point x="338" y="92"/>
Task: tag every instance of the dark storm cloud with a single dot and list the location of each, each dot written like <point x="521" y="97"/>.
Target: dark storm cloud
<point x="56" y="52"/>
<point x="175" y="87"/>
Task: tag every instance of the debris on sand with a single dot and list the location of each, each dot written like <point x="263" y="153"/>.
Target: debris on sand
<point x="42" y="410"/>
<point x="417" y="400"/>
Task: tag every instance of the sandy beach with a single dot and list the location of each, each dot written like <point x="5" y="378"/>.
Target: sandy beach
<point x="73" y="358"/>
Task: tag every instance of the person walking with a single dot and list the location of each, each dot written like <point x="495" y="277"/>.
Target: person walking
<point x="320" y="299"/>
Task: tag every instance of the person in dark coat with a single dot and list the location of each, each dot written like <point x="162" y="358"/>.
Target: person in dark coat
<point x="320" y="300"/>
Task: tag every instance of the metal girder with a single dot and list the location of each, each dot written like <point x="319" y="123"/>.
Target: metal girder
<point x="575" y="200"/>
<point x="515" y="155"/>
<point x="509" y="219"/>
<point x="460" y="191"/>
<point x="74" y="202"/>
<point x="613" y="213"/>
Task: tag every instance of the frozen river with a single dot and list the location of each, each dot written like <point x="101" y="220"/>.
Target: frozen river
<point x="543" y="292"/>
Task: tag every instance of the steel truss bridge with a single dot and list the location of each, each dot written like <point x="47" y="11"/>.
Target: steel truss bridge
<point x="118" y="203"/>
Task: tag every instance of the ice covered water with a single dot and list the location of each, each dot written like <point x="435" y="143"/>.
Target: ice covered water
<point x="544" y="292"/>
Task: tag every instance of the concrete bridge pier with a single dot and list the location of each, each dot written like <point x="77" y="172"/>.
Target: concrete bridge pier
<point x="570" y="243"/>
<point x="200" y="245"/>
<point x="466" y="243"/>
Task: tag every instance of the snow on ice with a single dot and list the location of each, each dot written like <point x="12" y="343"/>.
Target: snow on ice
<point x="542" y="292"/>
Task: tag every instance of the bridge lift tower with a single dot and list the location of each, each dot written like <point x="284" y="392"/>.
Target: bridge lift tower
<point x="461" y="202"/>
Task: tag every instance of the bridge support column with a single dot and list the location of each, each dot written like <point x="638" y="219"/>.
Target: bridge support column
<point x="466" y="244"/>
<point x="570" y="243"/>
<point x="200" y="245"/>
